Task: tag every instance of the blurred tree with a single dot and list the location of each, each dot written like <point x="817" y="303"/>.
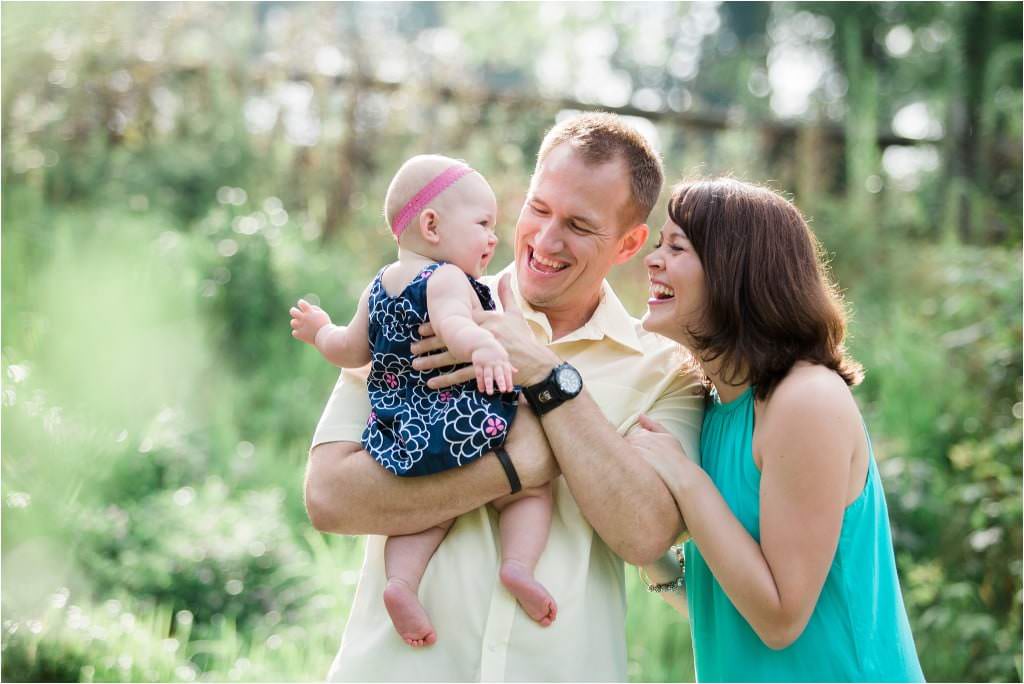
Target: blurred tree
<point x="243" y="151"/>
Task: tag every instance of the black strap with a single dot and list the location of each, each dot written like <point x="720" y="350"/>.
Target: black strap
<point x="510" y="470"/>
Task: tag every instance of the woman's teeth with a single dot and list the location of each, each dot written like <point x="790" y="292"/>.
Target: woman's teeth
<point x="659" y="291"/>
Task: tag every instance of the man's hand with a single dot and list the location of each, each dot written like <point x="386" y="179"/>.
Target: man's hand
<point x="528" y="447"/>
<point x="307" y="320"/>
<point x="533" y="361"/>
<point x="347" y="492"/>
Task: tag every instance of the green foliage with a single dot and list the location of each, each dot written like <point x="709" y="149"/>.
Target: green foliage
<point x="132" y="639"/>
<point x="950" y="448"/>
<point x="105" y="645"/>
<point x="201" y="550"/>
<point x="176" y="176"/>
<point x="659" y="646"/>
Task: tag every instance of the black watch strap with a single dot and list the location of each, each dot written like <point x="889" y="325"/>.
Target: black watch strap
<point x="534" y="402"/>
<point x="510" y="470"/>
<point x="547" y="394"/>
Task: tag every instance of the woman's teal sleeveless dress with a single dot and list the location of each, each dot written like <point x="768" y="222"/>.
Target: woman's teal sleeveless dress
<point x="859" y="629"/>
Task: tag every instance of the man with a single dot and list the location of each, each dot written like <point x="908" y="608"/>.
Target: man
<point x="594" y="185"/>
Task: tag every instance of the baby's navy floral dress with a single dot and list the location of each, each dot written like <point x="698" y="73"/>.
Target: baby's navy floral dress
<point x="412" y="429"/>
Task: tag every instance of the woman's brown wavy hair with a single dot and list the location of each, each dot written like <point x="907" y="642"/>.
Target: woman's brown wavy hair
<point x="770" y="299"/>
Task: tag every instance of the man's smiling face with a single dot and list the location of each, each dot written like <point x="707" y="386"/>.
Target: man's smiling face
<point x="570" y="231"/>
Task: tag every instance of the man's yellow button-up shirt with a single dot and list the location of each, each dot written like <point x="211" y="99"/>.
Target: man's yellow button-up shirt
<point x="482" y="634"/>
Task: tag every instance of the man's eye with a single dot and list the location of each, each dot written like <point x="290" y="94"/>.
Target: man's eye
<point x="538" y="210"/>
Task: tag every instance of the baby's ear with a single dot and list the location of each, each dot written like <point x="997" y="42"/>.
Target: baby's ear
<point x="429" y="226"/>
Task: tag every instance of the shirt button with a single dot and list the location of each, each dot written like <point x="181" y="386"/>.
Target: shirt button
<point x="492" y="647"/>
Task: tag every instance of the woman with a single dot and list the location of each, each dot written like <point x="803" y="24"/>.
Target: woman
<point x="790" y="573"/>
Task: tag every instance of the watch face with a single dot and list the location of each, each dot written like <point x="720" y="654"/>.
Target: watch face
<point x="569" y="381"/>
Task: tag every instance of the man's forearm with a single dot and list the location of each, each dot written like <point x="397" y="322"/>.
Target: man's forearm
<point x="347" y="492"/>
<point x="619" y="493"/>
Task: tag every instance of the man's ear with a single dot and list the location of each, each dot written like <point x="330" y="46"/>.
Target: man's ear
<point x="429" y="222"/>
<point x="632" y="242"/>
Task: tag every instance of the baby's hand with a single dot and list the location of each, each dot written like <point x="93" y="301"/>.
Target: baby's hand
<point x="492" y="367"/>
<point x="307" y="319"/>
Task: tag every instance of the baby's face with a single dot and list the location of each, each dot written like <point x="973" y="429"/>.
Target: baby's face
<point x="467" y="226"/>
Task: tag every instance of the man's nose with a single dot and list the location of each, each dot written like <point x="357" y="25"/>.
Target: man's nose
<point x="549" y="238"/>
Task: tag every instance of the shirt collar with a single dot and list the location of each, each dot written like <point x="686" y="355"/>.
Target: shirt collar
<point x="610" y="319"/>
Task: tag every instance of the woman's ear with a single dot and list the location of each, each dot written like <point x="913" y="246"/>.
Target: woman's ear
<point x="429" y="226"/>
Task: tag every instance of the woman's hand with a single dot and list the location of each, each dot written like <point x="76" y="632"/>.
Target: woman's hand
<point x="662" y="450"/>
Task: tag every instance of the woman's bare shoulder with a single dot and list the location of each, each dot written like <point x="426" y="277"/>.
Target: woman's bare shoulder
<point x="809" y="392"/>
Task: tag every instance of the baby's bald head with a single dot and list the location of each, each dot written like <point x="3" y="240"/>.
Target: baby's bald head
<point x="413" y="175"/>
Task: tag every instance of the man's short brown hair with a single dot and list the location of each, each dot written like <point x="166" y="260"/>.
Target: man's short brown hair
<point x="600" y="137"/>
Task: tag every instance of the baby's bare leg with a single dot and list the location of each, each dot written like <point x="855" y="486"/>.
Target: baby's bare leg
<point x="405" y="561"/>
<point x="525" y="521"/>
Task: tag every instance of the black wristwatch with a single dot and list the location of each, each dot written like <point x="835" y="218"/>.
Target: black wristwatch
<point x="563" y="384"/>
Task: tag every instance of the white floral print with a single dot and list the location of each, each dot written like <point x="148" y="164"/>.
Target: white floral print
<point x="412" y="429"/>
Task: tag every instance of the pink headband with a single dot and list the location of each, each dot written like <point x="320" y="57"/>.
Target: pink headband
<point x="428" y="192"/>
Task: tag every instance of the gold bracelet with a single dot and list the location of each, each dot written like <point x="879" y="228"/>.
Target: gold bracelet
<point x="677" y="584"/>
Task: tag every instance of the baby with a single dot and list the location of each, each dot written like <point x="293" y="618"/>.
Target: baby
<point x="442" y="214"/>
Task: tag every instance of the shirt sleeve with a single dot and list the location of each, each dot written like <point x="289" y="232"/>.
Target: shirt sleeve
<point x="680" y="408"/>
<point x="344" y="417"/>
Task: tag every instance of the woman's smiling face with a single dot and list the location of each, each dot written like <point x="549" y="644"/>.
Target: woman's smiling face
<point x="677" y="286"/>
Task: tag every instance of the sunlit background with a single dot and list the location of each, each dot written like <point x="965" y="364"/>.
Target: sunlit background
<point x="176" y="175"/>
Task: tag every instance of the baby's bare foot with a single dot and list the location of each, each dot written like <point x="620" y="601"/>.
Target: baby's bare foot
<point x="530" y="593"/>
<point x="407" y="614"/>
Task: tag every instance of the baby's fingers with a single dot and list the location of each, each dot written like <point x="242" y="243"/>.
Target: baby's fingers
<point x="504" y="377"/>
<point x="489" y="379"/>
<point x="479" y="378"/>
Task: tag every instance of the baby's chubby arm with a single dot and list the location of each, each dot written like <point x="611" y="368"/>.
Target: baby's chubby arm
<point x="450" y="300"/>
<point x="345" y="346"/>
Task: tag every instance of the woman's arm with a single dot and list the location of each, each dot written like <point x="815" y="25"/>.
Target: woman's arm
<point x="806" y="439"/>
<point x="666" y="569"/>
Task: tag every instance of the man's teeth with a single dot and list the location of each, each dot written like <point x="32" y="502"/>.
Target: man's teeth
<point x="661" y="291"/>
<point x="547" y="262"/>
